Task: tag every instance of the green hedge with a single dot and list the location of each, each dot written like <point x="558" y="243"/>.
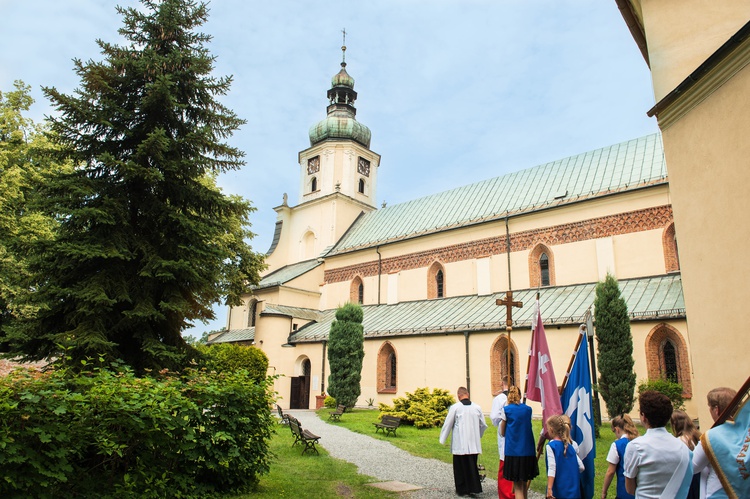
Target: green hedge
<point x="111" y="434"/>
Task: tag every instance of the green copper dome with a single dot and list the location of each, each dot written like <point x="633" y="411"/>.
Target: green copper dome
<point x="342" y="79"/>
<point x="340" y="122"/>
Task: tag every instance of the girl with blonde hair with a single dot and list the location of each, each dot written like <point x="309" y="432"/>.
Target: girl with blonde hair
<point x="684" y="429"/>
<point x="625" y="431"/>
<point x="563" y="464"/>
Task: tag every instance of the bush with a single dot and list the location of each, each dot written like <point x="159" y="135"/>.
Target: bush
<point x="226" y="357"/>
<point x="421" y="408"/>
<point x="330" y="402"/>
<point x="110" y="434"/>
<point x="669" y="388"/>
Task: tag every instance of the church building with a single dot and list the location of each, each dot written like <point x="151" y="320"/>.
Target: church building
<point x="428" y="272"/>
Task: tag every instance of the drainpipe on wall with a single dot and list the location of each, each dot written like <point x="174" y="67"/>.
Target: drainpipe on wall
<point x="380" y="269"/>
<point x="468" y="377"/>
<point x="323" y="370"/>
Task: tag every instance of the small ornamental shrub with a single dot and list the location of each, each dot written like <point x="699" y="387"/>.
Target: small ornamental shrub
<point x="421" y="408"/>
<point x="669" y="388"/>
<point x="345" y="354"/>
<point x="109" y="434"/>
<point x="330" y="402"/>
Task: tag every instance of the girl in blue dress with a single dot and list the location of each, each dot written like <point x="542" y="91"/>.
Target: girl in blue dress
<point x="520" y="452"/>
<point x="625" y="431"/>
<point x="564" y="467"/>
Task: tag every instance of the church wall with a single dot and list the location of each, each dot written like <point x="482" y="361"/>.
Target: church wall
<point x="671" y="27"/>
<point x="707" y="153"/>
<point x="639" y="254"/>
<point x="704" y="132"/>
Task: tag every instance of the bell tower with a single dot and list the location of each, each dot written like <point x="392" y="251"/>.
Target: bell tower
<point x="339" y="159"/>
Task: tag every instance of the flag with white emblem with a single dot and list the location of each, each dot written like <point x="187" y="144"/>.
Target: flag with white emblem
<point x="541" y="385"/>
<point x="576" y="402"/>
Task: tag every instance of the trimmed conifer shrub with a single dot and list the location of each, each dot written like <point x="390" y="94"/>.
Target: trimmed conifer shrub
<point x="345" y="353"/>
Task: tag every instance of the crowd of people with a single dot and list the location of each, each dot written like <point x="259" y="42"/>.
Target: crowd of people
<point x="654" y="465"/>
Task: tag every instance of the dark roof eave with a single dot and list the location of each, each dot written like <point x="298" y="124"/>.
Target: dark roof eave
<point x="713" y="60"/>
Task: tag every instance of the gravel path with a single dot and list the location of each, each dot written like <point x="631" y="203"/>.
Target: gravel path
<point x="386" y="462"/>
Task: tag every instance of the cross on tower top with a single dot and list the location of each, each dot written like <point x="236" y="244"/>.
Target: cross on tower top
<point x="509" y="304"/>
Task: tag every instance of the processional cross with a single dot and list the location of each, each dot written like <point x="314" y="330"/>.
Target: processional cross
<point x="509" y="304"/>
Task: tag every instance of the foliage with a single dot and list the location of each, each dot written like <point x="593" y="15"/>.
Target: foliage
<point x="669" y="388"/>
<point x="147" y="243"/>
<point x="330" y="402"/>
<point x="106" y="433"/>
<point x="421" y="408"/>
<point x="226" y="357"/>
<point x="25" y="155"/>
<point x="615" y="346"/>
<point x="345" y="353"/>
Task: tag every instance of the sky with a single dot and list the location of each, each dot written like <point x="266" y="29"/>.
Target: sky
<point x="454" y="91"/>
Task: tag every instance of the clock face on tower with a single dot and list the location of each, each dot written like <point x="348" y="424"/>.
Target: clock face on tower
<point x="363" y="167"/>
<point x="313" y="165"/>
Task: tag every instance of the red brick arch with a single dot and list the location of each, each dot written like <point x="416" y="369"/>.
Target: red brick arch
<point x="354" y="290"/>
<point x="669" y="243"/>
<point x="535" y="273"/>
<point x="386" y="355"/>
<point x="432" y="288"/>
<point x="499" y="362"/>
<point x="655" y="342"/>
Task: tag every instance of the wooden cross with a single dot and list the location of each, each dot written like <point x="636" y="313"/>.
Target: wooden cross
<point x="509" y="304"/>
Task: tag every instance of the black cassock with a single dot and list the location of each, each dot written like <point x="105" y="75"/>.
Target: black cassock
<point x="466" y="474"/>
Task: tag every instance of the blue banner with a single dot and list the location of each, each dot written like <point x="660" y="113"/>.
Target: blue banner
<point x="576" y="403"/>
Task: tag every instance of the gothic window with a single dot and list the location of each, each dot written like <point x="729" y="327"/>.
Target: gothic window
<point x="667" y="357"/>
<point x="435" y="281"/>
<point x="669" y="354"/>
<point x="314" y="184"/>
<point x="361" y="188"/>
<point x="541" y="266"/>
<point x="544" y="269"/>
<point x="387" y="369"/>
<point x="357" y="291"/>
<point x="499" y="363"/>
<point x="390" y="375"/>
<point x="252" y="313"/>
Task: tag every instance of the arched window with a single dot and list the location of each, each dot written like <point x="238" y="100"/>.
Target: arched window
<point x="314" y="184"/>
<point x="499" y="363"/>
<point x="436" y="281"/>
<point x="669" y="352"/>
<point x="387" y="369"/>
<point x="361" y="188"/>
<point x="541" y="266"/>
<point x="357" y="291"/>
<point x="252" y="313"/>
<point x="390" y="374"/>
<point x="667" y="357"/>
<point x="544" y="269"/>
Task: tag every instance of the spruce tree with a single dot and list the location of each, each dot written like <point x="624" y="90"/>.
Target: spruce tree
<point x="345" y="354"/>
<point x="615" y="347"/>
<point x="147" y="243"/>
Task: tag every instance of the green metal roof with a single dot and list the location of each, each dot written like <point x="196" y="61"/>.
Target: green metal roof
<point x="234" y="335"/>
<point x="296" y="312"/>
<point x="621" y="167"/>
<point x="649" y="298"/>
<point x="286" y="274"/>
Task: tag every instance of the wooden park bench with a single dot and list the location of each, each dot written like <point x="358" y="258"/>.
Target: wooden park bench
<point x="336" y="416"/>
<point x="283" y="418"/>
<point x="304" y="436"/>
<point x="389" y="424"/>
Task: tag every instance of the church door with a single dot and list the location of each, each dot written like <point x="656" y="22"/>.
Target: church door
<point x="300" y="396"/>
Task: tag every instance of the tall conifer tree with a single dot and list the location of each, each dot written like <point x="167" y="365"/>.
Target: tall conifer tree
<point x="148" y="243"/>
<point x="615" y="345"/>
<point x="345" y="354"/>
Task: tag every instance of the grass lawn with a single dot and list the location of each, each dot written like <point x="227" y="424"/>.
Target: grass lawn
<point x="425" y="443"/>
<point x="293" y="475"/>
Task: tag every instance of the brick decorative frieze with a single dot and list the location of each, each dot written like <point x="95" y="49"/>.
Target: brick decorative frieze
<point x="623" y="223"/>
